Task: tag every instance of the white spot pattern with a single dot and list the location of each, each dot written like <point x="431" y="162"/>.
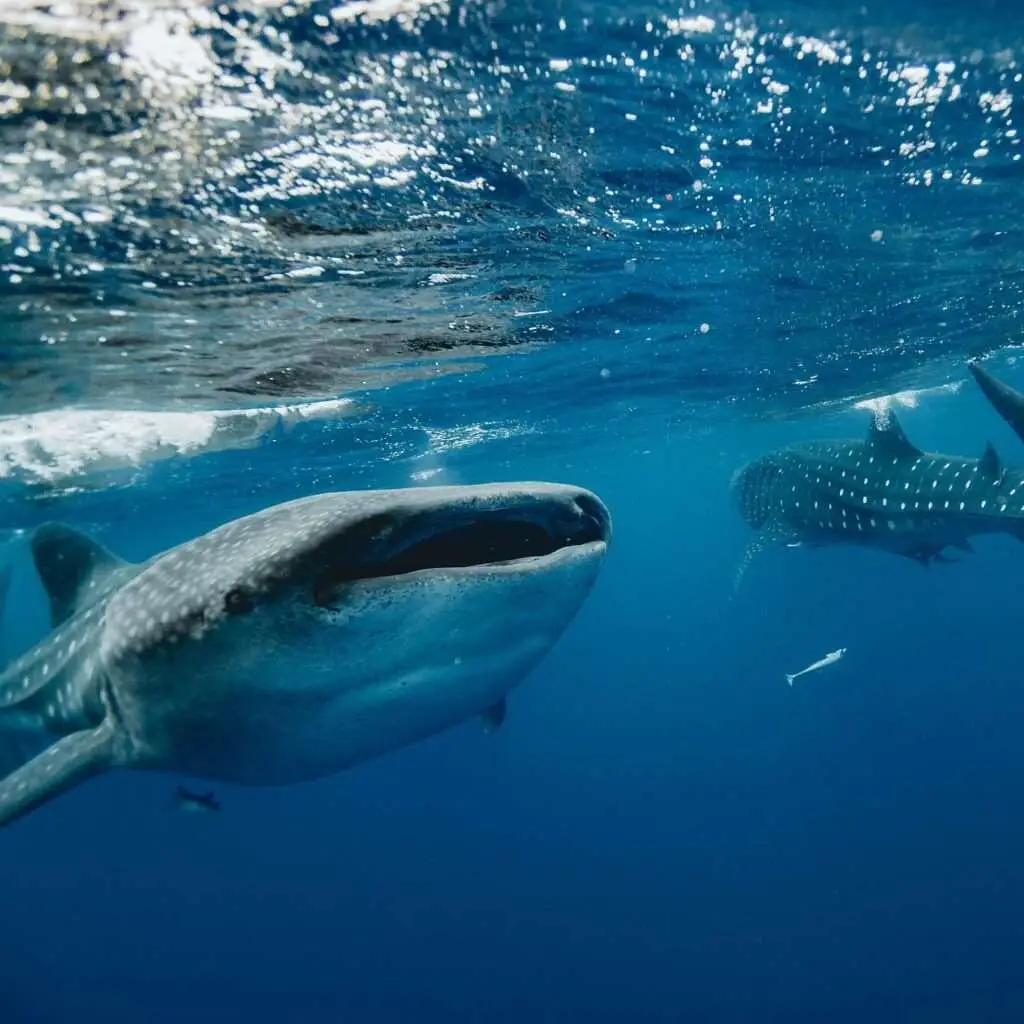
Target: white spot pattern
<point x="942" y="485"/>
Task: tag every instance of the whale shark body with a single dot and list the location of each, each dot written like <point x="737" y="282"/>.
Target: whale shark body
<point x="881" y="492"/>
<point x="295" y="642"/>
<point x="1006" y="401"/>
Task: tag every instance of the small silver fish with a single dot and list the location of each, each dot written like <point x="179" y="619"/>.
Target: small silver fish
<point x="830" y="659"/>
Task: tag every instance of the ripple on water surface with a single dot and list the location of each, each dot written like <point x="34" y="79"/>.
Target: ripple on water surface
<point x="223" y="205"/>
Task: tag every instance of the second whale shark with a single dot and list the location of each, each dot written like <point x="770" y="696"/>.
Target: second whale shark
<point x="297" y="641"/>
<point x="880" y="492"/>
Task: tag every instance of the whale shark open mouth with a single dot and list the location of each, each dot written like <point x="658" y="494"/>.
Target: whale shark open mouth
<point x="468" y="539"/>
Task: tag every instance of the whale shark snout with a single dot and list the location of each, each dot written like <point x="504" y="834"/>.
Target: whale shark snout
<point x="301" y="640"/>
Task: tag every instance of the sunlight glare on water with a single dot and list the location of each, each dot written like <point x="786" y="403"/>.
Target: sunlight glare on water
<point x="257" y="250"/>
<point x="207" y="204"/>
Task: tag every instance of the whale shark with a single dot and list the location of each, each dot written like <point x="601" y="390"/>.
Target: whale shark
<point x="880" y="492"/>
<point x="1006" y="401"/>
<point x="295" y="642"/>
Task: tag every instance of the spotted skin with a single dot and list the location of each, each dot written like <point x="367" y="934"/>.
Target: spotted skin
<point x="298" y="641"/>
<point x="881" y="492"/>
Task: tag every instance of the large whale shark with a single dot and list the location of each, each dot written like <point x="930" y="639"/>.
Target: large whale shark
<point x="881" y="492"/>
<point x="295" y="642"/>
<point x="1006" y="401"/>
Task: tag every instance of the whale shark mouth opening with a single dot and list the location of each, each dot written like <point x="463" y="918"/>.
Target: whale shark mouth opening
<point x="492" y="537"/>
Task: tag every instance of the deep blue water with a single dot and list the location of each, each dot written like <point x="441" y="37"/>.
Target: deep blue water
<point x="662" y="829"/>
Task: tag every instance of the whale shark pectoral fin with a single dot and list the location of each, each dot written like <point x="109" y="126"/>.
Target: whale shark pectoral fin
<point x="885" y="435"/>
<point x="65" y="764"/>
<point x="74" y="568"/>
<point x="493" y="717"/>
<point x="752" y="550"/>
<point x="925" y="556"/>
<point x="21" y="737"/>
<point x="1004" y="399"/>
<point x="761" y="542"/>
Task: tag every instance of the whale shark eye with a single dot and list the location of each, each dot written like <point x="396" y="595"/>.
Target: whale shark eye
<point x="237" y="602"/>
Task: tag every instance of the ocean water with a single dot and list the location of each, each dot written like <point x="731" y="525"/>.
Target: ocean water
<point x="256" y="250"/>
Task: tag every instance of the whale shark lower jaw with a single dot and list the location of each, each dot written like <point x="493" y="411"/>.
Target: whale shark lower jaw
<point x="295" y="642"/>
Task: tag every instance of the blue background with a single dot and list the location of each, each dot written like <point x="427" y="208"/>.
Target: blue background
<point x="662" y="828"/>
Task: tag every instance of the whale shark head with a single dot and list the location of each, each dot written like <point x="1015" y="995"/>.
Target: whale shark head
<point x="755" y="489"/>
<point x="310" y="636"/>
<point x="431" y="601"/>
<point x="376" y="577"/>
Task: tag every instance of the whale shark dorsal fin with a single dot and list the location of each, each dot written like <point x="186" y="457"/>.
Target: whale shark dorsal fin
<point x="886" y="435"/>
<point x="989" y="465"/>
<point x="74" y="569"/>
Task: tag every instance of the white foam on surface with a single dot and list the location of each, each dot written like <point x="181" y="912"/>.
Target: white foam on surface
<point x="401" y="11"/>
<point x="55" y="446"/>
<point x="908" y="399"/>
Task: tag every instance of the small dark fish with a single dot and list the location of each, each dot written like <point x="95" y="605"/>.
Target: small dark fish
<point x="202" y="803"/>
